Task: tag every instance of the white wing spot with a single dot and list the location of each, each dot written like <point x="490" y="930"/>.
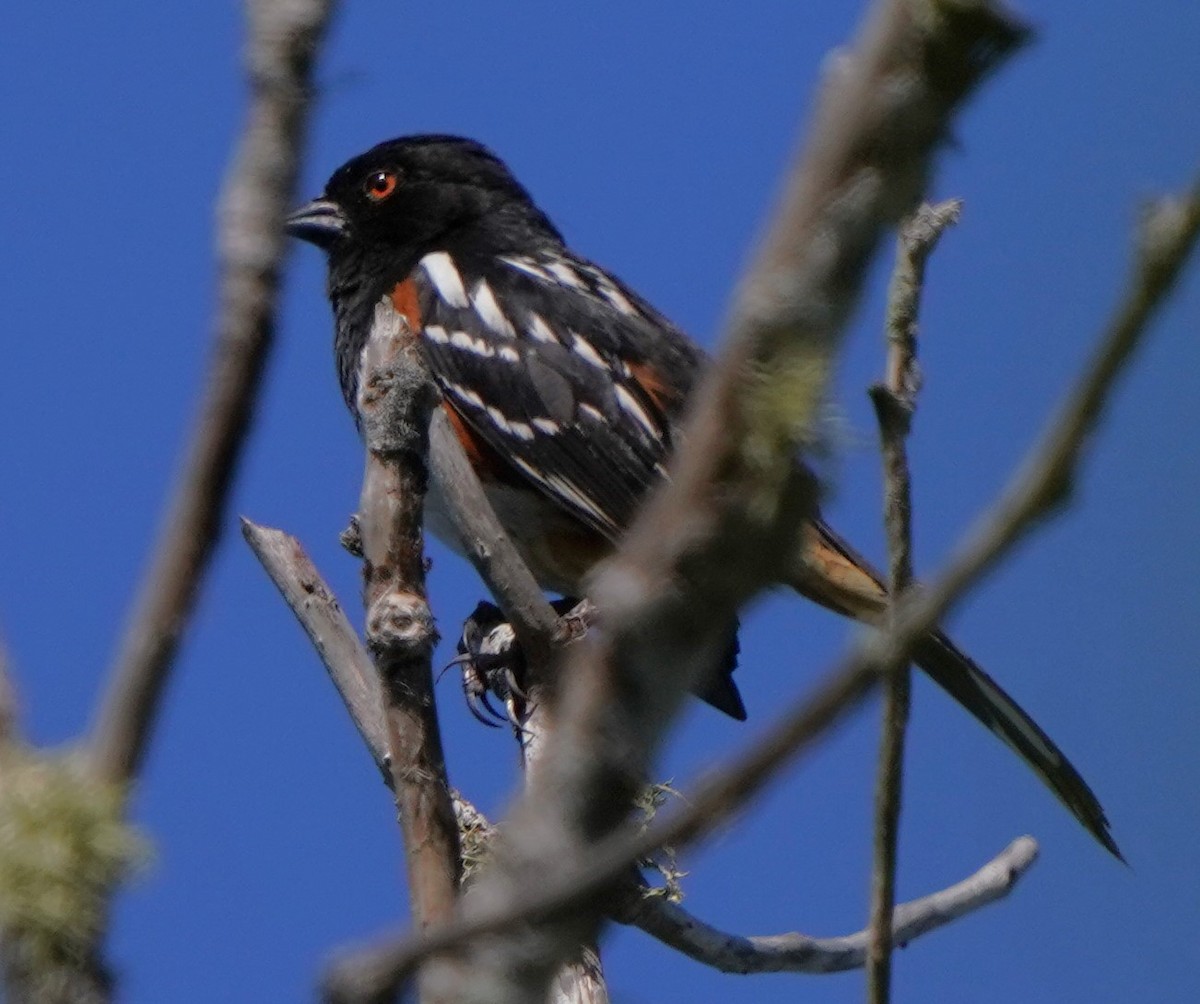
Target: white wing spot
<point x="528" y="266"/>
<point x="443" y="273"/>
<point x="436" y="333"/>
<point x="582" y="347"/>
<point x="521" y="430"/>
<point x="565" y="274"/>
<point x="547" y="425"/>
<point x="489" y="310"/>
<point x="463" y="394"/>
<point x="631" y="407"/>
<point x="539" y="330"/>
<point x="569" y="491"/>
<point x="591" y="412"/>
<point x="608" y="289"/>
<point x="499" y="418"/>
<point x="478" y="346"/>
<point x="508" y="354"/>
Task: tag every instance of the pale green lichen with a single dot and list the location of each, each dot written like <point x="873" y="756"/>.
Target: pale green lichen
<point x="64" y="847"/>
<point x="652" y="798"/>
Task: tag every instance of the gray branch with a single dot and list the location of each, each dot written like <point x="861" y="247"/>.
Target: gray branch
<point x="895" y="402"/>
<point x="799" y="953"/>
<point x="334" y="638"/>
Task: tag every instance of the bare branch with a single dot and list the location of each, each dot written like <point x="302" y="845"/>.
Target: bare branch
<point x="799" y="953"/>
<point x="285" y="36"/>
<point x="895" y="401"/>
<point x="319" y="613"/>
<point x="1167" y="240"/>
<point x="718" y="533"/>
<point x="395" y="400"/>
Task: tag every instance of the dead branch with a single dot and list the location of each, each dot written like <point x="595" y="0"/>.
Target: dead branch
<point x="704" y="545"/>
<point x="335" y="640"/>
<point x="395" y="401"/>
<point x="895" y="402"/>
<point x="285" y="37"/>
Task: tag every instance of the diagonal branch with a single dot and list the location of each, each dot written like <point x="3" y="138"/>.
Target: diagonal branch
<point x="335" y="640"/>
<point x="895" y="402"/>
<point x="285" y="37"/>
<point x="488" y="546"/>
<point x="1168" y="237"/>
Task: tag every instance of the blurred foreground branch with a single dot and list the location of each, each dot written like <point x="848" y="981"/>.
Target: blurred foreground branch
<point x="737" y="500"/>
<point x="285" y="36"/>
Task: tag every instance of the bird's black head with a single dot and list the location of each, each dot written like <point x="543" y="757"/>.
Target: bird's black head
<point x="409" y="196"/>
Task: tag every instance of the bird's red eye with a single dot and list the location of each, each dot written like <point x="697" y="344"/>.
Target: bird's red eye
<point x="380" y="185"/>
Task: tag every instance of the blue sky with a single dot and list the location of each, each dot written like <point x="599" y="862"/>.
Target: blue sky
<point x="654" y="135"/>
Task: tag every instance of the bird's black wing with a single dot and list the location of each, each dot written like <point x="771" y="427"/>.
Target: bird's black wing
<point x="564" y="372"/>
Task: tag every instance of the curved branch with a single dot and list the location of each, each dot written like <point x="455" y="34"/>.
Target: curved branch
<point x="799" y="953"/>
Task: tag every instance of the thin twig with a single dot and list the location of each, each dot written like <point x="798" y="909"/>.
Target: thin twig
<point x="335" y="640"/>
<point x="895" y="402"/>
<point x="719" y="532"/>
<point x="1168" y="238"/>
<point x="395" y="401"/>
<point x="285" y="37"/>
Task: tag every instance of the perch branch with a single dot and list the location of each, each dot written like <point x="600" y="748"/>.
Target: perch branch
<point x="285" y="37"/>
<point x="895" y="402"/>
<point x="395" y="399"/>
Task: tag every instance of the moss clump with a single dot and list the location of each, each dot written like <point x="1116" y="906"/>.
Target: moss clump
<point x="64" y="847"/>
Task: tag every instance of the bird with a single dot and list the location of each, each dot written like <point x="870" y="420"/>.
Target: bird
<point x="566" y="389"/>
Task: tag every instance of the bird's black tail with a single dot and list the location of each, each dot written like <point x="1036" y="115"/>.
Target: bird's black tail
<point x="833" y="575"/>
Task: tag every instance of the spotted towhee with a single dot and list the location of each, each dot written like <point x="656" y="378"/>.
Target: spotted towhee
<point x="565" y="388"/>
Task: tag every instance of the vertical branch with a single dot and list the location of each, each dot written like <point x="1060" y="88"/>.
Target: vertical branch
<point x="395" y="401"/>
<point x="285" y="36"/>
<point x="895" y="402"/>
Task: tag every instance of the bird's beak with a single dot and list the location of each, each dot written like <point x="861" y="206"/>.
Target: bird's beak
<point x="320" y="222"/>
